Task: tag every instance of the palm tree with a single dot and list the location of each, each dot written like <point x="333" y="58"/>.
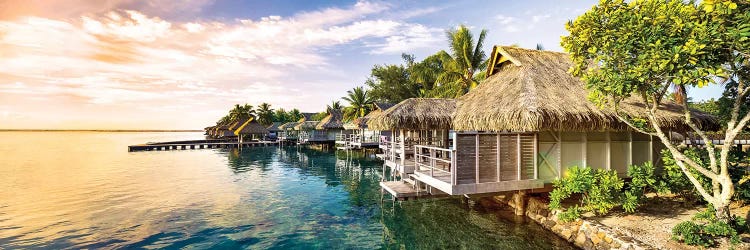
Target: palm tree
<point x="265" y="114"/>
<point x="360" y="103"/>
<point x="334" y="106"/>
<point x="295" y="115"/>
<point x="465" y="59"/>
<point x="241" y="112"/>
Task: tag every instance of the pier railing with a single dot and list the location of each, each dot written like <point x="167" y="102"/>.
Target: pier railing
<point x="435" y="161"/>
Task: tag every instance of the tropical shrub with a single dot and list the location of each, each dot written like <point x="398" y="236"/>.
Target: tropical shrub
<point x="599" y="190"/>
<point x="642" y="180"/>
<point x="704" y="229"/>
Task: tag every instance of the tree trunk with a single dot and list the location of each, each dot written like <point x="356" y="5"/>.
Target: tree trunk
<point x="722" y="211"/>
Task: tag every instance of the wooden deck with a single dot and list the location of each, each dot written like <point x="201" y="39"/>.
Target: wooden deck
<point x="406" y="168"/>
<point x="442" y="182"/>
<point x="162" y="146"/>
<point x="400" y="190"/>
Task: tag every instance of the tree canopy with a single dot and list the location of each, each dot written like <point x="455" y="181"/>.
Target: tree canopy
<point x="642" y="48"/>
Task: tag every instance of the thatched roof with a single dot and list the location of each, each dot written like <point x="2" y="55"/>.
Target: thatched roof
<point x="334" y="120"/>
<point x="306" y="117"/>
<point x="308" y="125"/>
<point x="237" y="123"/>
<point x="531" y="90"/>
<point x="288" y="125"/>
<point x="361" y="123"/>
<point x="275" y="126"/>
<point x="250" y="127"/>
<point x="415" y="113"/>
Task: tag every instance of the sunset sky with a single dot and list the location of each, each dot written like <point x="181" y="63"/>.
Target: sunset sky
<point x="181" y="64"/>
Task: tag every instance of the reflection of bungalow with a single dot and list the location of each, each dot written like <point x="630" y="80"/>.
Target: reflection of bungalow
<point x="415" y="121"/>
<point x="361" y="136"/>
<point x="273" y="130"/>
<point x="528" y="122"/>
<point x="249" y="130"/>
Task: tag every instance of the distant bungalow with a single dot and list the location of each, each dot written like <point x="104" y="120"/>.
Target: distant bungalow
<point x="414" y="121"/>
<point x="273" y="130"/>
<point x="360" y="136"/>
<point x="522" y="127"/>
<point x="249" y="128"/>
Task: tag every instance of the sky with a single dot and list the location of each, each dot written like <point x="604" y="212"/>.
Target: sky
<point x="181" y="64"/>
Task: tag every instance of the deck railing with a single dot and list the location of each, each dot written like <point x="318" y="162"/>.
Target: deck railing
<point x="435" y="159"/>
<point x="343" y="137"/>
<point x="313" y="136"/>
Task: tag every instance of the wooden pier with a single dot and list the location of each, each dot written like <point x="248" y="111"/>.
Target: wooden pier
<point x="205" y="144"/>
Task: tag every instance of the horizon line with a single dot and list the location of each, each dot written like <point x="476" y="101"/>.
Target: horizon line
<point x="101" y="130"/>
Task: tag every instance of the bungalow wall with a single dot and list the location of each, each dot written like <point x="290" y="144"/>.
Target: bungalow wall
<point x="496" y="157"/>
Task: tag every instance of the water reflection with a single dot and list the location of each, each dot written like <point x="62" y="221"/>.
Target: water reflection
<point x="265" y="198"/>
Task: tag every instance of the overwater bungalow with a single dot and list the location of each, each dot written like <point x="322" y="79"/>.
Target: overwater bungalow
<point x="207" y="130"/>
<point x="249" y="130"/>
<point x="308" y="132"/>
<point x="361" y="136"/>
<point x="528" y="122"/>
<point x="287" y="132"/>
<point x="415" y="121"/>
<point x="273" y="130"/>
<point x="332" y="126"/>
<point x="223" y="131"/>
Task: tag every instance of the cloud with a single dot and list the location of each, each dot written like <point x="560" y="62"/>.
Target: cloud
<point x="512" y="24"/>
<point x="128" y="59"/>
<point x="508" y="24"/>
<point x="412" y="37"/>
<point x="66" y="9"/>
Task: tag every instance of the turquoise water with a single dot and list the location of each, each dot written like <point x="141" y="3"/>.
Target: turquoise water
<point x="84" y="190"/>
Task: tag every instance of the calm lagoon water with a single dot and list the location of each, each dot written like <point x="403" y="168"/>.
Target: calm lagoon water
<point x="84" y="190"/>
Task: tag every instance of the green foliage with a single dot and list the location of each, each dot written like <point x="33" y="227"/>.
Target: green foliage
<point x="673" y="180"/>
<point x="334" y="106"/>
<point x="579" y="180"/>
<point x="704" y="229"/>
<point x="645" y="48"/>
<point x="641" y="47"/>
<point x="265" y="113"/>
<point x="570" y="214"/>
<point x="445" y="74"/>
<point x="600" y="190"/>
<point x="391" y="83"/>
<point x="603" y="195"/>
<point x="740" y="175"/>
<point x="360" y="103"/>
<point x="690" y="233"/>
<point x="319" y="116"/>
<point x="642" y="179"/>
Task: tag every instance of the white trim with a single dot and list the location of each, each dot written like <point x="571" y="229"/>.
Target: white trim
<point x="630" y="149"/>
<point x="518" y="155"/>
<point x="609" y="151"/>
